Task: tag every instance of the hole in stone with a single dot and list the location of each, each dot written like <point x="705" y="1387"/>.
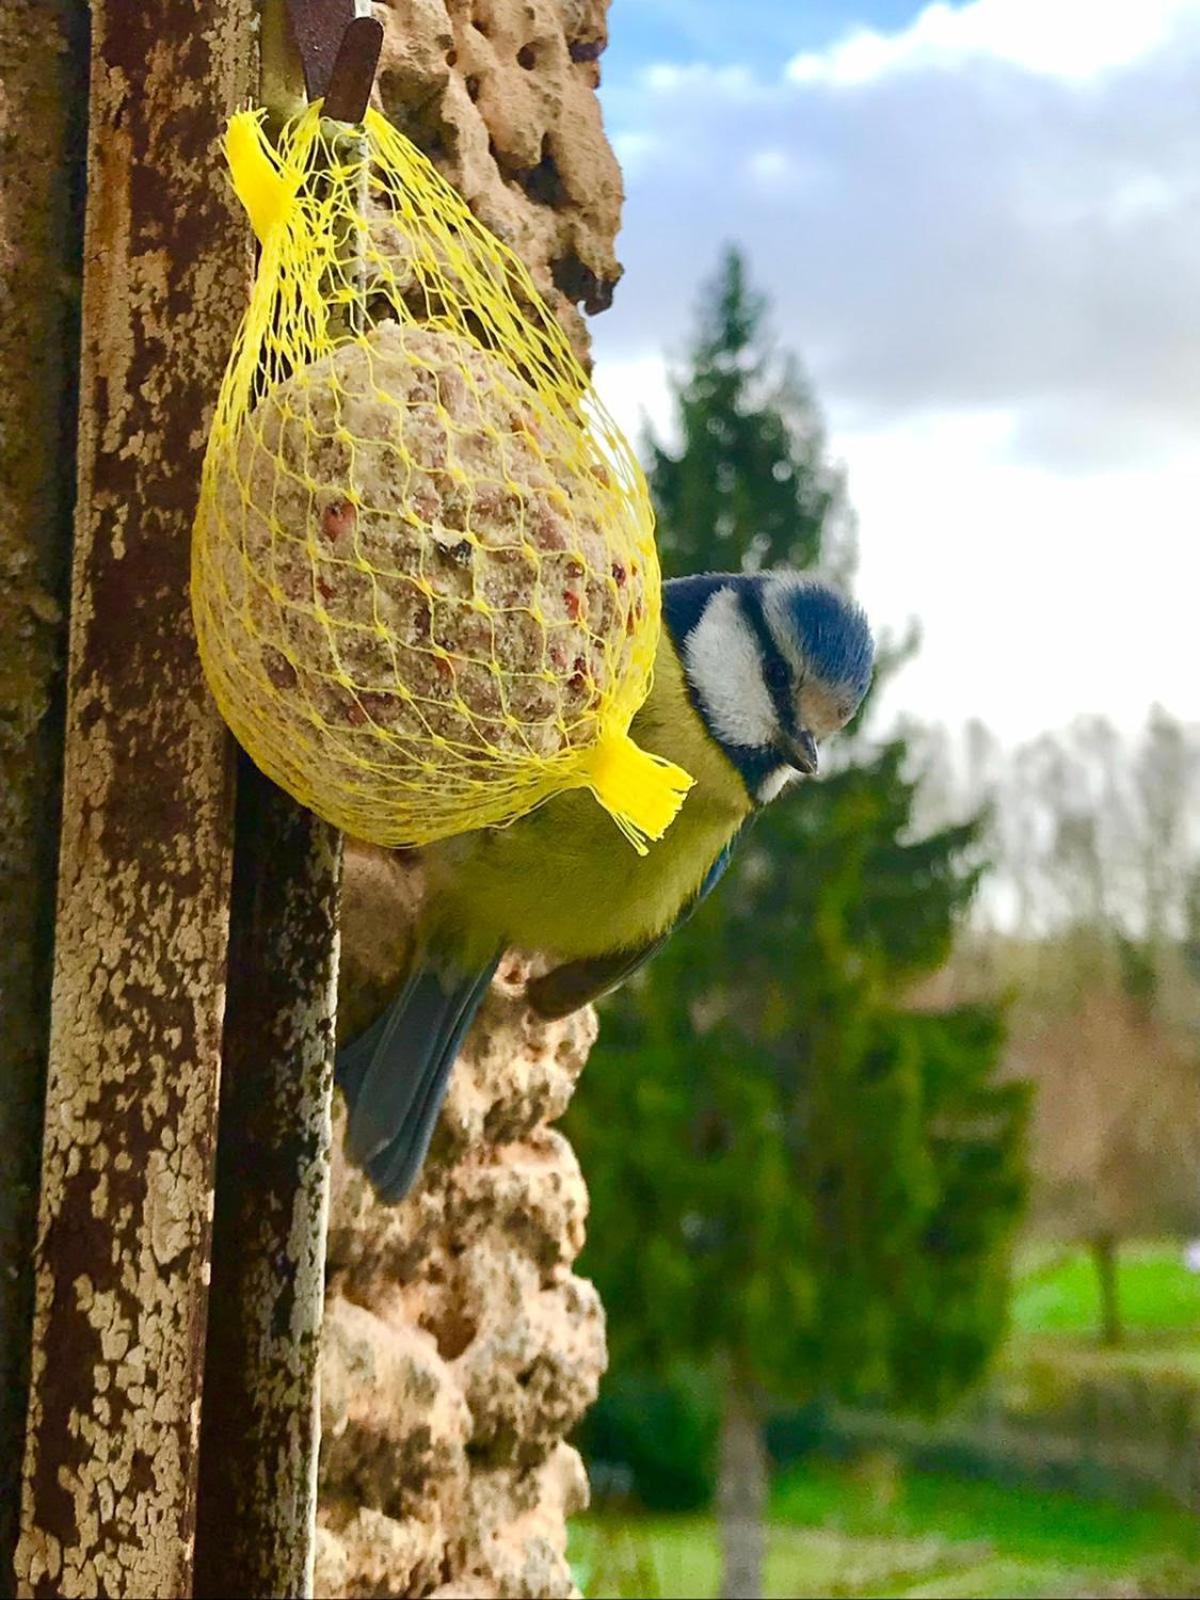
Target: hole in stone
<point x="451" y="58"/>
<point x="389" y="88"/>
<point x="543" y="183"/>
<point x="452" y="1334"/>
<point x="473" y="89"/>
<point x="481" y="25"/>
<point x="422" y="124"/>
<point x="436" y="148"/>
<point x="527" y="57"/>
<point x="581" y="285"/>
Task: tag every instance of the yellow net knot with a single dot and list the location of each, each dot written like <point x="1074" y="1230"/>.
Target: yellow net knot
<point x="260" y="181"/>
<point x="642" y="792"/>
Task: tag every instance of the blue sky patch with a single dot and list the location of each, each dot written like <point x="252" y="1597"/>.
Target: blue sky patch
<point x="760" y="34"/>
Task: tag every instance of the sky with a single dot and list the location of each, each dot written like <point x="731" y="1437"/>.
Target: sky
<point x="979" y="228"/>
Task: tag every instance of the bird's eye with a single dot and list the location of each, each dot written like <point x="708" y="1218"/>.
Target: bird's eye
<point x="775" y="674"/>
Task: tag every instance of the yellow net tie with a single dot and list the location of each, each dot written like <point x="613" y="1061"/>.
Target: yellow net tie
<point x="265" y="189"/>
<point x="642" y="792"/>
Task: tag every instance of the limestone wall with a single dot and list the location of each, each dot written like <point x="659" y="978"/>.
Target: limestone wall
<point x="501" y="94"/>
<point x="460" y="1348"/>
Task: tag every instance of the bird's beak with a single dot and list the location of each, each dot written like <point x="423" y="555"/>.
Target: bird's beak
<point x="801" y="752"/>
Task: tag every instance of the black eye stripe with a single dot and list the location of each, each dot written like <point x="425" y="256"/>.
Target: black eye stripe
<point x="776" y="673"/>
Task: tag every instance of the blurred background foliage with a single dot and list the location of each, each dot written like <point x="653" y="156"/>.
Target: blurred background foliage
<point x="876" y="1144"/>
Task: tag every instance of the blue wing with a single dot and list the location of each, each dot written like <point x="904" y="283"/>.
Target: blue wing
<point x="395" y="1075"/>
<point x="565" y="989"/>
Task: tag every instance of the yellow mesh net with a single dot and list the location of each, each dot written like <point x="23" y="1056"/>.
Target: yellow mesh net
<point x="423" y="577"/>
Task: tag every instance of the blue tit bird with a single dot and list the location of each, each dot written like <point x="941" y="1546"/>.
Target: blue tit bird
<point x="752" y="672"/>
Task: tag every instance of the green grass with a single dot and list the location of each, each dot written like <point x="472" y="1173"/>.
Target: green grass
<point x="1056" y="1293"/>
<point x="677" y="1556"/>
<point x="870" y="1532"/>
<point x="1024" y="1523"/>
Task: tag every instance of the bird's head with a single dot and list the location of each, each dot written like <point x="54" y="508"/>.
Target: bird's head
<point x="775" y="662"/>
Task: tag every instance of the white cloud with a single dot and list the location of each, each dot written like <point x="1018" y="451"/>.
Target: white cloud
<point x="987" y="253"/>
<point x="636" y="151"/>
<point x="1041" y="596"/>
<point x="671" y="78"/>
<point x="637" y="393"/>
<point x="770" y="166"/>
<point x="989" y="237"/>
<point x="1071" y="40"/>
<point x="1145" y="196"/>
<point x="779" y="172"/>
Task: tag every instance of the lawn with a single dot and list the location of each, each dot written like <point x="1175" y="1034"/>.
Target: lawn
<point x="872" y="1531"/>
<point x="867" y="1531"/>
<point x="1056" y="1293"/>
<point x="1055" y="1311"/>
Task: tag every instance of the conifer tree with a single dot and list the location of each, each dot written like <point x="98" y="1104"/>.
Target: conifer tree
<point x="799" y="1183"/>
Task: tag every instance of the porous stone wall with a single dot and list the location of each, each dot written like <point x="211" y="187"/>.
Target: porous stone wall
<point x="460" y="1349"/>
<point x="501" y="94"/>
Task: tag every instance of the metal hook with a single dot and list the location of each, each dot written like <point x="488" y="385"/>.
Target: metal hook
<point x="339" y="49"/>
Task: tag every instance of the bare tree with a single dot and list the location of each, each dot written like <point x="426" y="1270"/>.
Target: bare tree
<point x="1095" y="905"/>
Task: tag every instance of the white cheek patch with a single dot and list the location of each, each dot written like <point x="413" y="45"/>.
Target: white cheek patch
<point x="722" y="660"/>
<point x="773" y="785"/>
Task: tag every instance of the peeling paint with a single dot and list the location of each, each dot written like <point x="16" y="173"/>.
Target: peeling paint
<point x="110" y="1465"/>
<point x="41" y="67"/>
<point x="257" y="1510"/>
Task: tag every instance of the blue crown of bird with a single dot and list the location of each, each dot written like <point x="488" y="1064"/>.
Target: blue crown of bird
<point x="752" y="672"/>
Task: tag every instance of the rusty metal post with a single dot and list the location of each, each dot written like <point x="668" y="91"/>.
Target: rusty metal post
<point x="122" y="1260"/>
<point x="43" y="55"/>
<point x="260" y="1430"/>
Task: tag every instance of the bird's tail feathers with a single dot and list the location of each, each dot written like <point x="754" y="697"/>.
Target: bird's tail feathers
<point x="395" y="1074"/>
